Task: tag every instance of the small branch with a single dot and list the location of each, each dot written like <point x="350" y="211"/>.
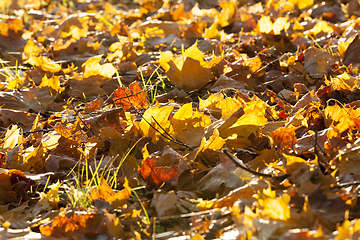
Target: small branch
<point x="172" y="139"/>
<point x="167" y="134"/>
<point x="242" y="166"/>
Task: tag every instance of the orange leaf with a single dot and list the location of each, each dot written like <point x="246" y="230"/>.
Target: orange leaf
<point x="153" y="174"/>
<point x="106" y="193"/>
<point x="285" y="137"/>
<point x="133" y="97"/>
<point x="75" y="227"/>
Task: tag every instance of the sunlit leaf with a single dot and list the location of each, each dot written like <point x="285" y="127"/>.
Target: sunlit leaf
<point x="157" y="175"/>
<point x="275" y="207"/>
<point x="106" y="193"/>
<point x="53" y="82"/>
<point x="45" y="63"/>
<point x="242" y="126"/>
<point x="92" y="67"/>
<point x="132" y="97"/>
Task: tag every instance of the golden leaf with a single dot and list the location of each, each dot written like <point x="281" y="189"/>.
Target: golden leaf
<point x="92" y="67"/>
<point x="45" y="63"/>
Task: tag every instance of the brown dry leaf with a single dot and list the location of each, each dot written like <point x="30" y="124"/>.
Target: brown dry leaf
<point x="88" y="87"/>
<point x="213" y="182"/>
<point x="109" y="119"/>
<point x="318" y="62"/>
<point x="248" y="87"/>
<point x="351" y="54"/>
<point x="165" y="204"/>
<point x="12" y="183"/>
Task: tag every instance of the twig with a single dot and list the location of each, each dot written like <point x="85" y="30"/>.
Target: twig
<point x="349" y="184"/>
<point x="172" y="139"/>
<point x="167" y="134"/>
<point x="242" y="166"/>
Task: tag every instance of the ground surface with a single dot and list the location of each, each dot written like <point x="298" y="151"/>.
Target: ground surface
<point x="190" y="119"/>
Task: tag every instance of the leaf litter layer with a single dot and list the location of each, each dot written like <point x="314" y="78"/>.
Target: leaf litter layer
<point x="163" y="119"/>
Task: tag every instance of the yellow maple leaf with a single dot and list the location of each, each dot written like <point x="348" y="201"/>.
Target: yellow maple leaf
<point x="155" y="117"/>
<point x="214" y="142"/>
<point x="51" y="197"/>
<point x="211" y="32"/>
<point x="323" y="26"/>
<point x="302" y="4"/>
<point x="45" y="63"/>
<point x="238" y="125"/>
<point x="265" y="25"/>
<point x="276" y="208"/>
<point x="191" y="61"/>
<point x="31" y="49"/>
<point x="92" y="67"/>
<point x="187" y="122"/>
<point x="12" y="137"/>
<point x="75" y="33"/>
<point x="280" y="24"/>
<point x="181" y="78"/>
<point x="293" y="163"/>
<point x="53" y="82"/>
<point x="227" y="12"/>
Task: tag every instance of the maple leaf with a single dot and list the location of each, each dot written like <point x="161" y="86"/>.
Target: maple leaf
<point x="53" y="82"/>
<point x="285" y="137"/>
<point x="8" y="189"/>
<point x="45" y="63"/>
<point x="265" y="25"/>
<point x="192" y="60"/>
<point x="106" y="193"/>
<point x="271" y="86"/>
<point x="275" y="207"/>
<point x="157" y="175"/>
<point x="130" y="97"/>
<point x="32" y="49"/>
<point x="186" y="121"/>
<point x="92" y="67"/>
<point x="244" y="121"/>
<point x="154" y="121"/>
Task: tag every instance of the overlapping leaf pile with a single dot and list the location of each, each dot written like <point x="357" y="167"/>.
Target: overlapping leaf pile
<point x="158" y="119"/>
